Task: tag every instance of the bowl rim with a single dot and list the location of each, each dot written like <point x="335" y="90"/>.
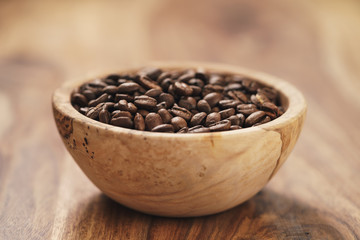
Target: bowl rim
<point x="296" y="102"/>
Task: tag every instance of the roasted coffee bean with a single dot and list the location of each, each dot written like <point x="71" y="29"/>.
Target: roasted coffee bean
<point x="163" y="76"/>
<point x="213" y="117"/>
<point x="246" y="109"/>
<point x="181" y="112"/>
<point x="209" y="88"/>
<point x="145" y="102"/>
<point x="187" y="102"/>
<point x="97" y="84"/>
<point x="203" y="106"/>
<point x="120" y="113"/>
<point x="79" y="99"/>
<point x="183" y="130"/>
<point x="270" y="93"/>
<point x="265" y="120"/>
<point x="122" y="80"/>
<point x="182" y="89"/>
<point x="216" y="79"/>
<point x="109" y="81"/>
<point x="101" y="99"/>
<point x="122" y="122"/>
<point x="227" y="113"/>
<point x="269" y="107"/>
<point x="167" y="98"/>
<point x="154" y="93"/>
<point x="215" y="109"/>
<point x="165" y="84"/>
<point x="271" y="114"/>
<point x="194" y="111"/>
<point x="83" y="110"/>
<point x="93" y="113"/>
<point x="161" y="105"/>
<point x="178" y="123"/>
<point x="220" y="126"/>
<point x="199" y="129"/>
<point x="198" y="119"/>
<point x="234" y="127"/>
<point x="143" y="112"/>
<point x="213" y="98"/>
<point x="114" y="77"/>
<point x="104" y="116"/>
<point x="109" y="106"/>
<point x="196" y="90"/>
<point x="90" y="95"/>
<point x="235" y="120"/>
<point x="165" y="115"/>
<point x="110" y="89"/>
<point x="254" y="118"/>
<point x="241" y="118"/>
<point x="250" y="85"/>
<point x="152" y="120"/>
<point x="196" y="82"/>
<point x="132" y="108"/>
<point x="128" y="87"/>
<point x="126" y="97"/>
<point x="147" y="83"/>
<point x="201" y="74"/>
<point x="139" y="123"/>
<point x="151" y="72"/>
<point x="224" y="104"/>
<point x="187" y="76"/>
<point x="233" y="87"/>
<point x="163" y="128"/>
<point x="238" y="95"/>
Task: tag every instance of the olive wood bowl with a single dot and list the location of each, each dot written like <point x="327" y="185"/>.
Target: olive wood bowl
<point x="181" y="175"/>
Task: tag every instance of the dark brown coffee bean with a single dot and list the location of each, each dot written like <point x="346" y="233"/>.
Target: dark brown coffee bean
<point x="246" y="109"/>
<point x="122" y="105"/>
<point x="270" y="107"/>
<point x="254" y="118"/>
<point x="161" y="105"/>
<point x="250" y="85"/>
<point x="93" y="113"/>
<point x="167" y="98"/>
<point x="152" y="120"/>
<point x="166" y="83"/>
<point x="224" y="104"/>
<point x="132" y="108"/>
<point x="104" y="116"/>
<point x="271" y="114"/>
<point x="215" y="109"/>
<point x="199" y="129"/>
<point x="126" y="97"/>
<point x="143" y="112"/>
<point x="101" y="99"/>
<point x="120" y="113"/>
<point x="241" y="118"/>
<point x="196" y="82"/>
<point x="110" y="89"/>
<point x="97" y="84"/>
<point x="114" y="77"/>
<point x="128" y="87"/>
<point x="109" y="106"/>
<point x="227" y="113"/>
<point x="183" y="130"/>
<point x="178" y="123"/>
<point x="187" y="102"/>
<point x="235" y="127"/>
<point x="235" y="120"/>
<point x="145" y="102"/>
<point x="194" y="111"/>
<point x="198" y="119"/>
<point x="109" y="81"/>
<point x="213" y="117"/>
<point x="139" y="123"/>
<point x="122" y="122"/>
<point x="151" y="72"/>
<point x="154" y="93"/>
<point x="233" y="87"/>
<point x="201" y="74"/>
<point x="163" y="76"/>
<point x="213" y="98"/>
<point x="79" y="99"/>
<point x="196" y="90"/>
<point x="238" y="95"/>
<point x="203" y="106"/>
<point x="270" y="93"/>
<point x="216" y="79"/>
<point x="265" y="120"/>
<point x="83" y="110"/>
<point x="189" y="74"/>
<point x="122" y="80"/>
<point x="147" y="83"/>
<point x="220" y="126"/>
<point x="163" y="128"/>
<point x="165" y="115"/>
<point x="181" y="112"/>
<point x="90" y="95"/>
<point x="182" y="89"/>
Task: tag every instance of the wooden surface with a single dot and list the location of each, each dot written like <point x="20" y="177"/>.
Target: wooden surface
<point x="312" y="44"/>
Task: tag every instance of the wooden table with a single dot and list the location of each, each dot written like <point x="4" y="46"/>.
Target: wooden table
<point x="312" y="44"/>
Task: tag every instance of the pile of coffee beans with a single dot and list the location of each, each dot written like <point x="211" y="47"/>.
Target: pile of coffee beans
<point x="186" y="101"/>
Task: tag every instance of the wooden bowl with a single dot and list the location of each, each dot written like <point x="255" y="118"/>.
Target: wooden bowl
<point x="181" y="175"/>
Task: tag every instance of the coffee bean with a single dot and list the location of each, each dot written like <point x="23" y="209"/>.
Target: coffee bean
<point x="178" y="123"/>
<point x="269" y="107"/>
<point x="151" y="72"/>
<point x="238" y="95"/>
<point x="181" y="112"/>
<point x="196" y="82"/>
<point x="265" y="120"/>
<point x="233" y="87"/>
<point x="161" y="105"/>
<point x="126" y="97"/>
<point x="163" y="76"/>
<point x="215" y="109"/>
<point x="139" y="122"/>
<point x="83" y="110"/>
<point x="213" y="98"/>
<point x="224" y="104"/>
<point x="110" y="89"/>
<point x="120" y="113"/>
<point x="220" y="126"/>
<point x="182" y="89"/>
<point x="241" y="118"/>
<point x="79" y="99"/>
<point x="199" y="129"/>
<point x="152" y="120"/>
<point x="93" y="112"/>
<point x="145" y="102"/>
<point x="203" y="106"/>
<point x="165" y="84"/>
<point x="234" y="127"/>
<point x="235" y="120"/>
<point x="246" y="109"/>
<point x="250" y="85"/>
<point x="101" y="99"/>
<point x="90" y="95"/>
<point x="201" y="74"/>
<point x="147" y="83"/>
<point x="227" y="113"/>
<point x="196" y="90"/>
<point x="163" y="128"/>
<point x="212" y="118"/>
<point x="154" y="93"/>
<point x="97" y="84"/>
<point x="198" y="119"/>
<point x="104" y="116"/>
<point x="187" y="102"/>
<point x="165" y="115"/>
<point x="254" y="118"/>
<point x="122" y="122"/>
<point x="187" y="76"/>
<point x="167" y="98"/>
<point x="109" y="81"/>
<point x="183" y="130"/>
<point x="209" y="88"/>
<point x="270" y="93"/>
<point x="128" y="87"/>
<point x="216" y="79"/>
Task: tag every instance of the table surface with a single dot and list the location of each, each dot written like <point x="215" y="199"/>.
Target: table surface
<point x="312" y="44"/>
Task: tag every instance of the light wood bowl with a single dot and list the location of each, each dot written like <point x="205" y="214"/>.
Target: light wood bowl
<point x="181" y="175"/>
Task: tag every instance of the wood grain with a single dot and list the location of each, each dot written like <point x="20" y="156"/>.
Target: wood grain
<point x="314" y="45"/>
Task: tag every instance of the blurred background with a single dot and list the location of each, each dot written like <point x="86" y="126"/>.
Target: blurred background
<point x="312" y="44"/>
